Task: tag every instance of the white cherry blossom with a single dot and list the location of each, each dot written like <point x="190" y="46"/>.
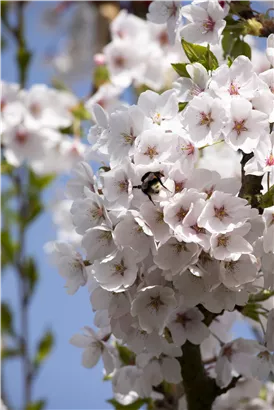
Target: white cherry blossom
<point x="186" y="324"/>
<point x="118" y="273"/>
<point x="187" y="88"/>
<point x="89" y="212"/>
<point x="160" y="12"/>
<point x="83" y="177"/>
<point x="205" y="25"/>
<point x="229" y="245"/>
<point x="269" y="336"/>
<point x="204" y="119"/>
<point x="263" y="159"/>
<point x="98" y="243"/>
<point x="70" y="265"/>
<point x="245" y="126"/>
<point x="224" y="212"/>
<point x="268" y="237"/>
<point x="176" y="256"/>
<point x="237" y="80"/>
<point x="94" y="347"/>
<point x="12" y="108"/>
<point x="237" y="356"/>
<point x="234" y="273"/>
<point x="158" y="108"/>
<point x="270" y="49"/>
<point x="152" y="305"/>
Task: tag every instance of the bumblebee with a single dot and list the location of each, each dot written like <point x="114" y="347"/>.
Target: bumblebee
<point x="151" y="184"/>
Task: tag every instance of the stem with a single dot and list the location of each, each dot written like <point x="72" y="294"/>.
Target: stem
<point x="200" y="389"/>
<point x="23" y="290"/>
<point x="251" y="185"/>
<point x="20" y="181"/>
<point x="211" y="145"/>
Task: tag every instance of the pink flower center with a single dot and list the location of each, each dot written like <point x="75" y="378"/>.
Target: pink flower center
<point x="120" y="33"/>
<point x="151" y="152"/>
<point x="220" y="213"/>
<point x="179" y="186"/>
<point x="239" y="127"/>
<point x="208" y="25"/>
<point x="233" y="89"/>
<point x="181" y="214"/>
<point x="35" y="109"/>
<point x="123" y="186"/>
<point x="206" y="119"/>
<point x="74" y="151"/>
<point x="223" y="240"/>
<point x="102" y="102"/>
<point x="119" y="61"/>
<point x="130" y="137"/>
<point x="155" y="303"/>
<point x="120" y="268"/>
<point x="270" y="160"/>
<point x="21" y="137"/>
<point x="228" y="351"/>
<point x="182" y="318"/>
<point x="197" y="229"/>
<point x="163" y="38"/>
<point x="3" y="104"/>
<point x="173" y="9"/>
<point x="222" y="4"/>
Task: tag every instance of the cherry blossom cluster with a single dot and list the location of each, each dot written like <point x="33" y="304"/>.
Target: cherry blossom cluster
<point x="31" y="126"/>
<point x="141" y="52"/>
<point x="166" y="240"/>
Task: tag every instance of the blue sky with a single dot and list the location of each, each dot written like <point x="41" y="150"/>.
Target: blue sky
<point x="63" y="381"/>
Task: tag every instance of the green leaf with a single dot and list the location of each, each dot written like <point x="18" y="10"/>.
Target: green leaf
<point x="4" y="9"/>
<point x="44" y="348"/>
<point x="8" y="247"/>
<point x="23" y="58"/>
<point x="126" y="356"/>
<point x="267" y="199"/>
<point x="182" y="105"/>
<point x="6" y="319"/>
<point x="6" y="169"/>
<point x="59" y="85"/>
<point x="239" y="48"/>
<point x="33" y="209"/>
<point x="80" y="112"/>
<point x="261" y="297"/>
<point x="101" y="76"/>
<point x="196" y="53"/>
<point x="4" y="43"/>
<point x="30" y="273"/>
<point x="40" y="182"/>
<point x="229" y="61"/>
<point x="36" y="405"/>
<point x="227" y="42"/>
<point x="10" y="353"/>
<point x="136" y="405"/>
<point x="180" y="69"/>
<point x="67" y="130"/>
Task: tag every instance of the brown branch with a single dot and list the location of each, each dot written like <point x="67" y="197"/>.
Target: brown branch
<point x="231" y="385"/>
<point x="251" y="185"/>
